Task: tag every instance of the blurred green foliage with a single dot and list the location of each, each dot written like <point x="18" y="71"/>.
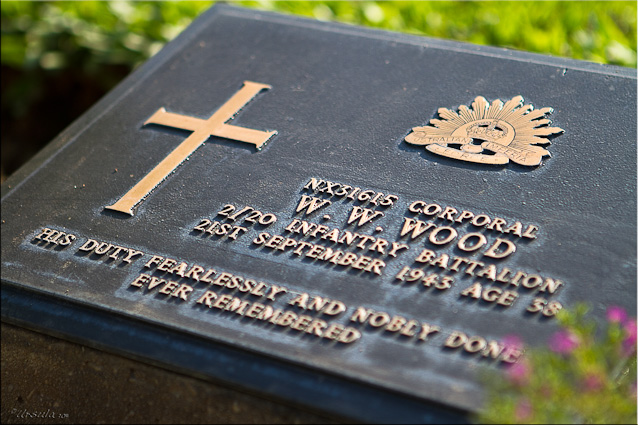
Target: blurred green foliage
<point x="586" y="375"/>
<point x="597" y="31"/>
<point x="88" y="34"/>
<point x="55" y="35"/>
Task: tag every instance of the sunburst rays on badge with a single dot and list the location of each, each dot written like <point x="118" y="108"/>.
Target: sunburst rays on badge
<point x="489" y="133"/>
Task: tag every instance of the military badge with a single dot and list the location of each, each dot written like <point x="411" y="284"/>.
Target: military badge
<point x="489" y="133"/>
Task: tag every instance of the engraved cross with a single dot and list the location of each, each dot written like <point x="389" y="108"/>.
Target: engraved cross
<point x="202" y="130"/>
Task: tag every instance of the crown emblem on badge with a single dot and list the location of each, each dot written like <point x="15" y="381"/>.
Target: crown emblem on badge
<point x="489" y="133"/>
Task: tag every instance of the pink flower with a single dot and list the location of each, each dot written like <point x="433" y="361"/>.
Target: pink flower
<point x="519" y="373"/>
<point x="523" y="411"/>
<point x="616" y="314"/>
<point x="593" y="382"/>
<point x="629" y="344"/>
<point x="512" y="341"/>
<point x="563" y="342"/>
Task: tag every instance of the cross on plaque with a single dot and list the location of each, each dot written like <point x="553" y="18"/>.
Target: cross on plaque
<point x="202" y="130"/>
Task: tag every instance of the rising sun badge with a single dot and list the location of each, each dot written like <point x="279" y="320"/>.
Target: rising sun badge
<point x="489" y="133"/>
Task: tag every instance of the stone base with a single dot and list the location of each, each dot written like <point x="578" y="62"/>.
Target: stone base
<point x="49" y="380"/>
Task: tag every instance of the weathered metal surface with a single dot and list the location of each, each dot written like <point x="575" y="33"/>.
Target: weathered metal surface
<point x="343" y="102"/>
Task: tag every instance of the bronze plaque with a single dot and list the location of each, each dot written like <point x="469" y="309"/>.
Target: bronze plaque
<point x="255" y="205"/>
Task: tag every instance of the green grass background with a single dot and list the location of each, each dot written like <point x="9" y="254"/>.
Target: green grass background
<point x="55" y="35"/>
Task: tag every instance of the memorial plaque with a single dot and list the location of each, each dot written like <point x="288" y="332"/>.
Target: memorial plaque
<point x="348" y="219"/>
